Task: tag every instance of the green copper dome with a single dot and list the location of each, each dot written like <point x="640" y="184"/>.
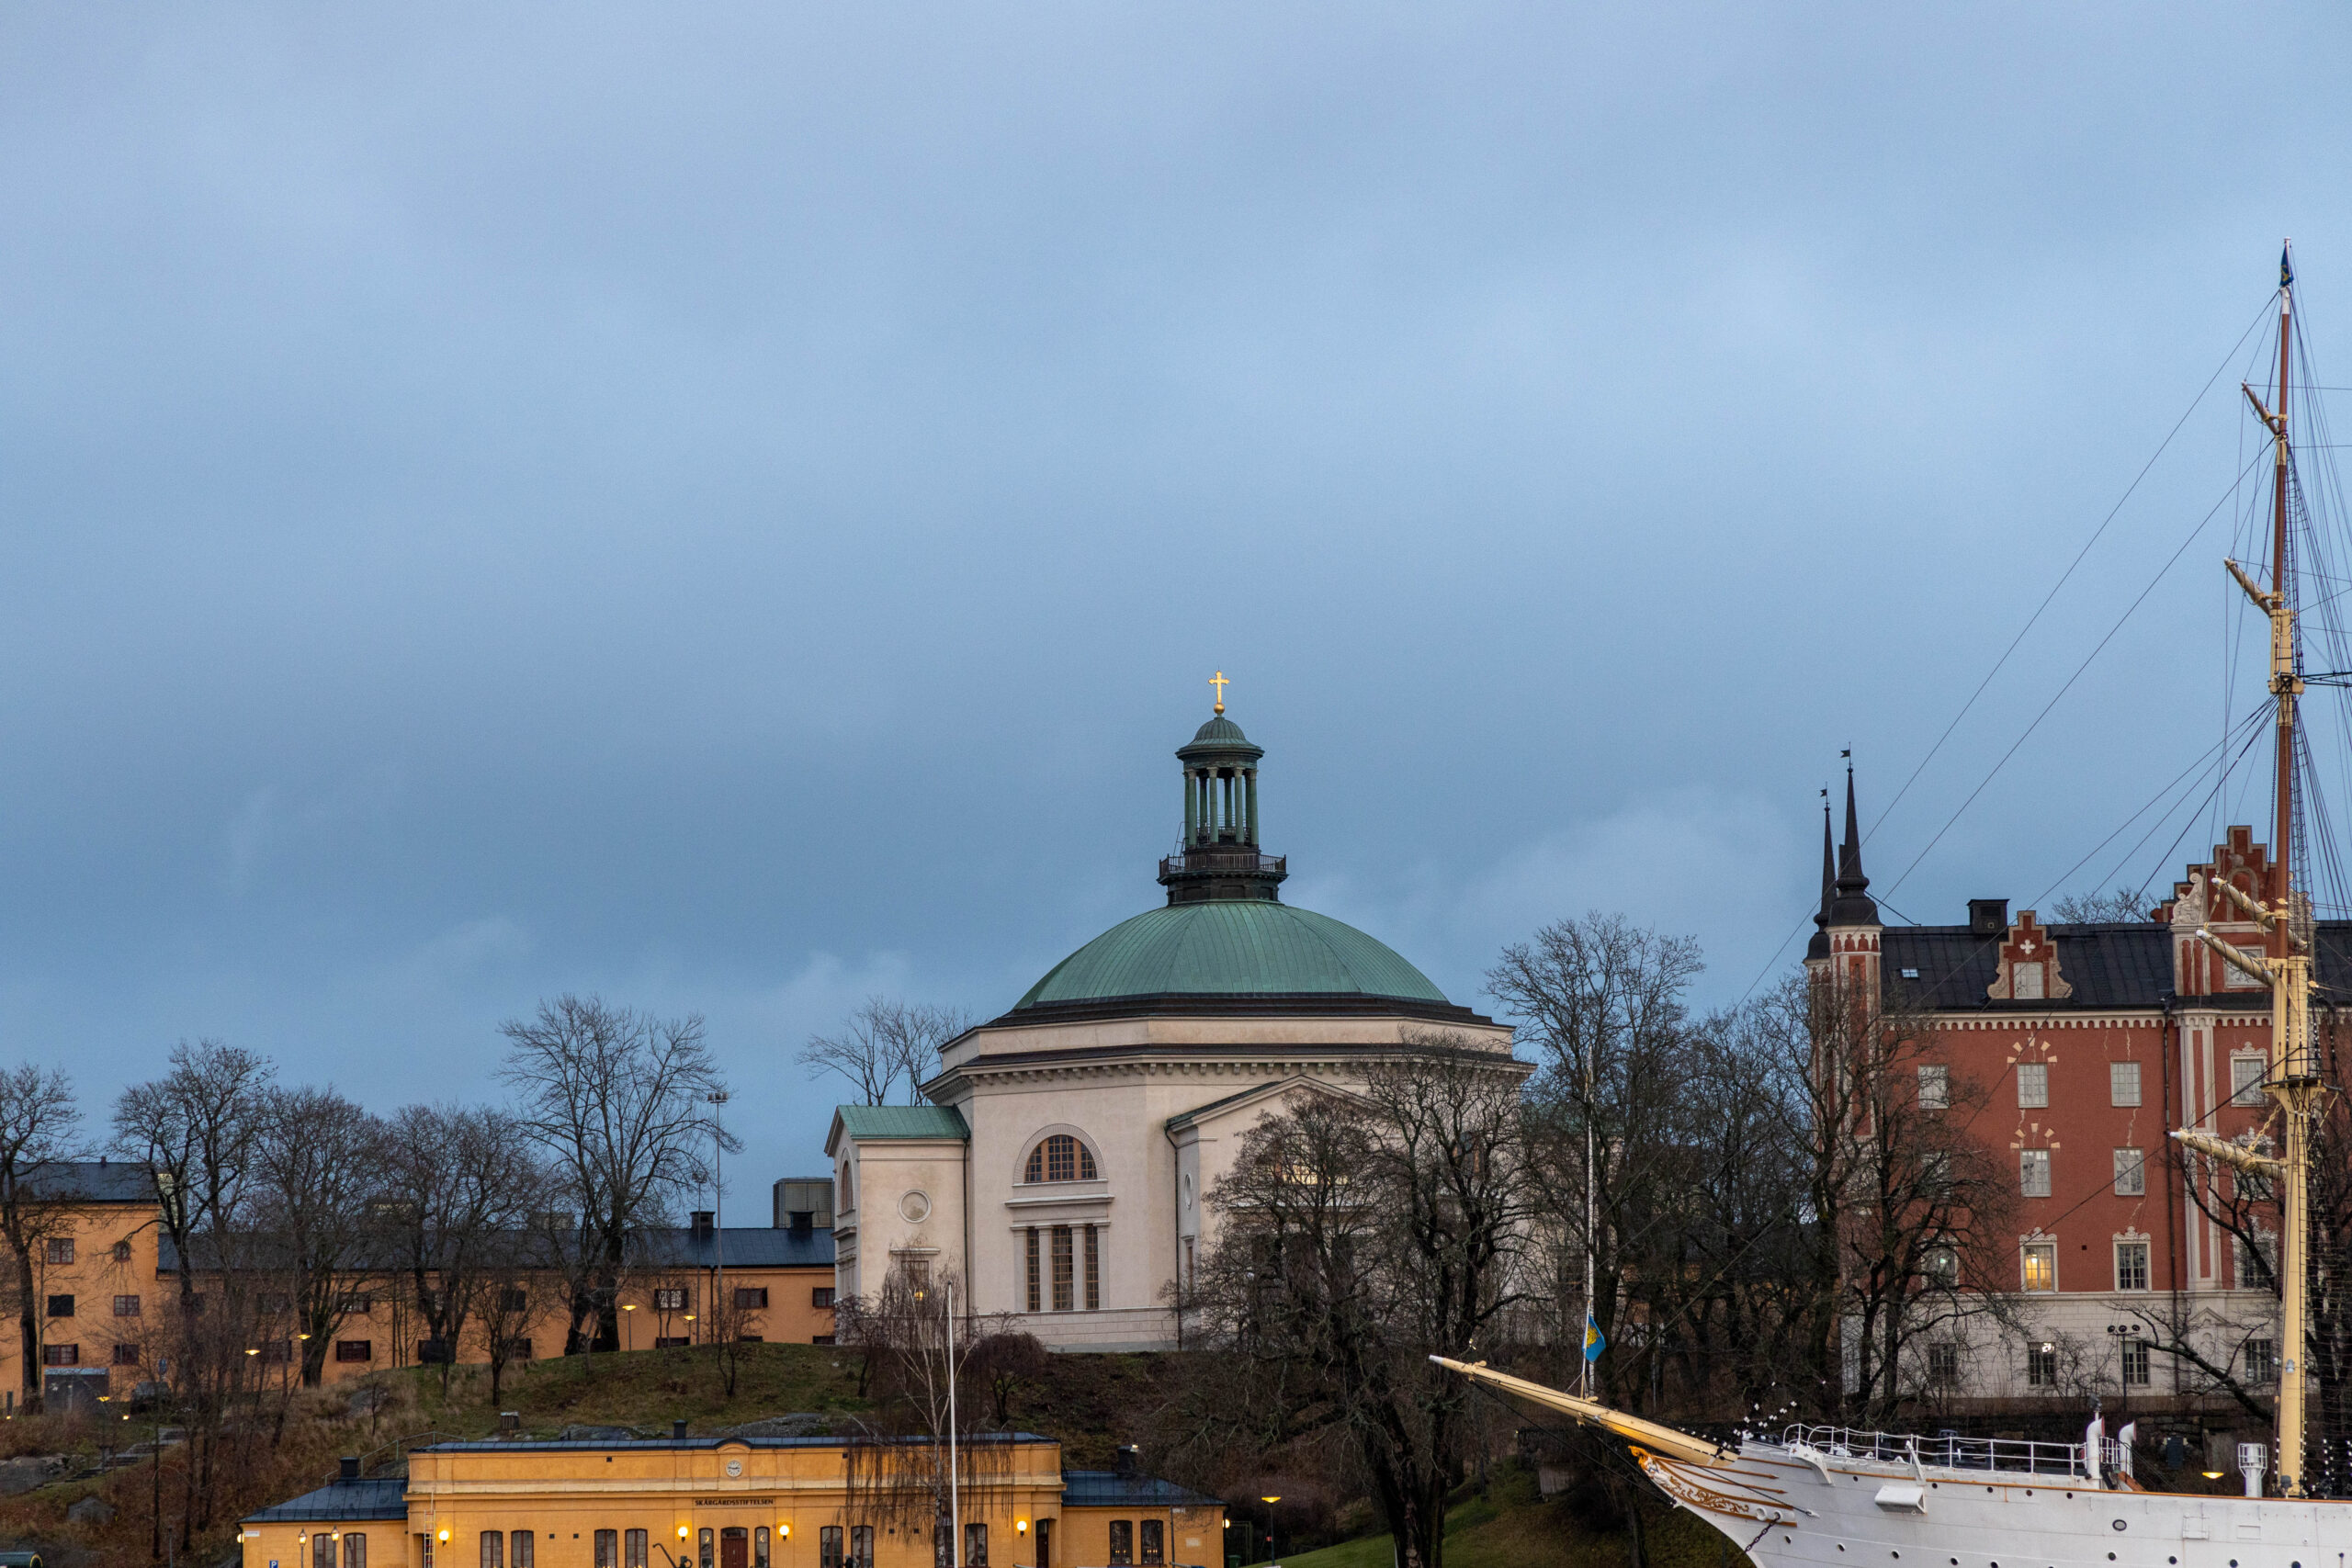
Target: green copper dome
<point x="1231" y="948"/>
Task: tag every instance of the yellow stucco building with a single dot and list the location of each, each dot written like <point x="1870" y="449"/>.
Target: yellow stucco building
<point x="732" y="1502"/>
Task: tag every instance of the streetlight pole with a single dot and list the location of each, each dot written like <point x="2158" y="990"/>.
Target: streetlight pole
<point x="719" y="1324"/>
<point x="954" y="1502"/>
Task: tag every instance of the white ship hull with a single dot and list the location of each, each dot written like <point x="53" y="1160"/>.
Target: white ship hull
<point x="1795" y="1506"/>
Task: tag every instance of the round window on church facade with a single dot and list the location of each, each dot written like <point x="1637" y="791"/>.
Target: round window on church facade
<point x="1061" y="1158"/>
<point x="915" y="1207"/>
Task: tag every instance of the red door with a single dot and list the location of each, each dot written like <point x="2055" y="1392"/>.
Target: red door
<point x="734" y="1547"/>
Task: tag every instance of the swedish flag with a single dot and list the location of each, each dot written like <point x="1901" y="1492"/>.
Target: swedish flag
<point x="1595" y="1342"/>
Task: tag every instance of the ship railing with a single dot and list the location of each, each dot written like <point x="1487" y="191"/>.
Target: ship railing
<point x="1946" y="1451"/>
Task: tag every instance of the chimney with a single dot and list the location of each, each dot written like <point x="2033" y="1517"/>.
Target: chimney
<point x="1128" y="1460"/>
<point x="348" y="1468"/>
<point x="701" y="1227"/>
<point x="1988" y="917"/>
<point x="677" y="1429"/>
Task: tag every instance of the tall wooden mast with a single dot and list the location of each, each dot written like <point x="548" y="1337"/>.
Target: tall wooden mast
<point x="2285" y="963"/>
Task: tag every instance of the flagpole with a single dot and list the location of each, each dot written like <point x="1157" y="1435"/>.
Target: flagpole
<point x="1592" y="1318"/>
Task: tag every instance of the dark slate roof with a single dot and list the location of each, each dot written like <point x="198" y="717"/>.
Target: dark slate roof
<point x="370" y="1497"/>
<point x="93" y="1181"/>
<point x="1109" y="1489"/>
<point x="748" y="1246"/>
<point x="2119" y="965"/>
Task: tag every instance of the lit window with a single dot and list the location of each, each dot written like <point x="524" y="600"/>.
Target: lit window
<point x="1935" y="1088"/>
<point x="2130" y="1265"/>
<point x="2130" y="1173"/>
<point x="2245" y="1081"/>
<point x="2123" y="1083"/>
<point x="2033" y="1173"/>
<point x="2041" y="1266"/>
<point x="2033" y="1085"/>
<point x="1060" y="1158"/>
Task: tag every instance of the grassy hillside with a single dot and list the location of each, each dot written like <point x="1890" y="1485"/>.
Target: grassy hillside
<point x="1512" y="1529"/>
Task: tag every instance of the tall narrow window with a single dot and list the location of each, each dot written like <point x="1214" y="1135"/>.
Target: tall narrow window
<point x="829" y="1547"/>
<point x="2245" y="1081"/>
<point x="2130" y="1173"/>
<point x="322" y="1551"/>
<point x="1029" y="1239"/>
<point x="759" y="1546"/>
<point x="494" y="1549"/>
<point x="354" y="1550"/>
<point x="2135" y="1363"/>
<point x="520" y="1545"/>
<point x="1063" y="1270"/>
<point x="633" y="1542"/>
<point x="705" y="1548"/>
<point x="2033" y="1173"/>
<point x="861" y="1546"/>
<point x="976" y="1546"/>
<point x="2123" y="1083"/>
<point x="2041" y="1366"/>
<point x="1155" y="1540"/>
<point x="608" y="1549"/>
<point x="2130" y="1265"/>
<point x="1935" y="1088"/>
<point x="2041" y="1266"/>
<point x="1122" y="1540"/>
<point x="1093" y="1271"/>
<point x="2033" y="1085"/>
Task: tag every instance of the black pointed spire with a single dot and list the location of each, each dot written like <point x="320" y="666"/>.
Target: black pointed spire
<point x="1819" y="946"/>
<point x="1853" y="906"/>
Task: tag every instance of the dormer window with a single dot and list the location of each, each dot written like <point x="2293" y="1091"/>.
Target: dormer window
<point x="1061" y="1158"/>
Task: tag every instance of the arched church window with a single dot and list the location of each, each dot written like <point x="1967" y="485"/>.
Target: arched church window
<point x="1061" y="1158"/>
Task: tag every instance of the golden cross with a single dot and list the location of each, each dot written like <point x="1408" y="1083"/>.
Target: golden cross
<point x="1220" y="683"/>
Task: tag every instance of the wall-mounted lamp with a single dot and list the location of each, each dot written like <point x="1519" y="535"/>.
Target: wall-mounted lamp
<point x="784" y="1532"/>
<point x="1021" y="1526"/>
<point x="445" y="1534"/>
<point x="681" y="1532"/>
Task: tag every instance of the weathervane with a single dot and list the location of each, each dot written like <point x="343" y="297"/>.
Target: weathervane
<point x="1220" y="683"/>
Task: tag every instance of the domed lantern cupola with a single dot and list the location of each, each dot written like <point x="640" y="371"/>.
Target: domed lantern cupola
<point x="1220" y="857"/>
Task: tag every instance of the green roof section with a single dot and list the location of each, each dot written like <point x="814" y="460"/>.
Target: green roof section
<point x="1231" y="948"/>
<point x="868" y="1123"/>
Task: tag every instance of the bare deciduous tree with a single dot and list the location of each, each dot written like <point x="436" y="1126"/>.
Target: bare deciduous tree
<point x="197" y="1127"/>
<point x="1358" y="1234"/>
<point x="885" y="1040"/>
<point x="617" y="1100"/>
<point x="459" y="1183"/>
<point x="319" y="1160"/>
<point x="2121" y="904"/>
<point x="39" y="1125"/>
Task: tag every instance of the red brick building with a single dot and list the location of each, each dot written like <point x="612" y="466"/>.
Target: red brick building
<point x="2091" y="1042"/>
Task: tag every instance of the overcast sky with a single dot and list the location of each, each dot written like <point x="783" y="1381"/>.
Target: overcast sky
<point x="733" y="507"/>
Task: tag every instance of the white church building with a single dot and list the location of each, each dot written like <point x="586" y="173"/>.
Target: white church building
<point x="1061" y="1165"/>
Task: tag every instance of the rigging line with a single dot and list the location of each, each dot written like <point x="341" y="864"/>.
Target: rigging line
<point x="2174" y="847"/>
<point x="2260" y="316"/>
<point x="2198" y="764"/>
<point x="2219" y="784"/>
<point x="2057" y="696"/>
